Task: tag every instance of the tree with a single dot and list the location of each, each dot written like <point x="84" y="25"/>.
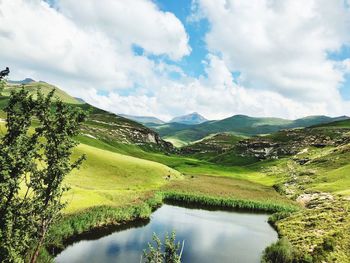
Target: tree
<point x="33" y="167"/>
<point x="169" y="254"/>
<point x="2" y="85"/>
<point x="3" y="74"/>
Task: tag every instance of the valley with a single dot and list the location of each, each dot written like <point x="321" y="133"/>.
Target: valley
<point x="298" y="170"/>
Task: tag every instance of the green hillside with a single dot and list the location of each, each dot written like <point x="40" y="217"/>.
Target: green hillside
<point x="336" y="124"/>
<point x="100" y="124"/>
<point x="128" y="165"/>
<point x="127" y="160"/>
<point x="108" y="178"/>
<point x="45" y="89"/>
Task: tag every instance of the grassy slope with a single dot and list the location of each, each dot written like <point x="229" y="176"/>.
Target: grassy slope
<point x="218" y="149"/>
<point x="322" y="229"/>
<point x="187" y="165"/>
<point x="111" y="176"/>
<point x="336" y="124"/>
<point x="108" y="178"/>
<point x="45" y="89"/>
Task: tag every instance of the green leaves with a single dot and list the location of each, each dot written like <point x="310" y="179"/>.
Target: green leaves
<point x="2" y="85"/>
<point x="170" y="253"/>
<point x="36" y="162"/>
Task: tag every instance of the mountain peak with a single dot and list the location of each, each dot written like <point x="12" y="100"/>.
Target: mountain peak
<point x="24" y="81"/>
<point x="143" y="119"/>
<point x="192" y="118"/>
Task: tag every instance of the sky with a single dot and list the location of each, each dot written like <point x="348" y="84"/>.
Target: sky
<point x="164" y="58"/>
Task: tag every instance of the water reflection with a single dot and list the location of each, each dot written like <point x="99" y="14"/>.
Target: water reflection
<point x="210" y="236"/>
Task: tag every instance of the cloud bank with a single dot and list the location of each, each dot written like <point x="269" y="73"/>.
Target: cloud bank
<point x="122" y="55"/>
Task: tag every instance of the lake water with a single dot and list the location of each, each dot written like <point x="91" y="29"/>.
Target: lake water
<point x="210" y="236"/>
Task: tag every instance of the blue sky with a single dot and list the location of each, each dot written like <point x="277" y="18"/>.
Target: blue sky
<point x="340" y="55"/>
<point x="282" y="58"/>
<point x="193" y="64"/>
<point x="196" y="30"/>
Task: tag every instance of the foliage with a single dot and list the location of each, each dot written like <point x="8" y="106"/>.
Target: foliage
<point x="230" y="203"/>
<point x="37" y="163"/>
<point x="2" y="85"/>
<point x="170" y="253"/>
<point x="281" y="251"/>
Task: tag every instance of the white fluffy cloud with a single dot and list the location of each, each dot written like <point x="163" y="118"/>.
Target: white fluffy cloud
<point x="279" y="47"/>
<point x="60" y="45"/>
<point x="215" y="95"/>
<point x="131" y="22"/>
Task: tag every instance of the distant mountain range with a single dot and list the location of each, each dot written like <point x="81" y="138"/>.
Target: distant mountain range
<point x="238" y="124"/>
<point x="192" y="118"/>
<point x="24" y="81"/>
<point x="143" y="119"/>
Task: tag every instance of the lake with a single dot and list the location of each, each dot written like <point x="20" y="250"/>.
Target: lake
<point x="210" y="236"/>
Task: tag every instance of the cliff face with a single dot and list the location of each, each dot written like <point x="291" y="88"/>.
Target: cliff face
<point x="111" y="127"/>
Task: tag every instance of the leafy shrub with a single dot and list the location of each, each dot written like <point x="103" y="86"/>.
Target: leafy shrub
<point x="281" y="251"/>
<point x="170" y="253"/>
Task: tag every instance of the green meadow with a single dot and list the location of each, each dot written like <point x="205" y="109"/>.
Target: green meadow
<point x="122" y="181"/>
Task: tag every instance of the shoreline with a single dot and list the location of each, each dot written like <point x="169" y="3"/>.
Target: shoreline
<point x="89" y="223"/>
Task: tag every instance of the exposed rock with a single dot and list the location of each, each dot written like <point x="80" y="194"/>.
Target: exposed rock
<point x="259" y="148"/>
<point x="311" y="200"/>
<point x="302" y="161"/>
<point x="291" y="142"/>
<point x="113" y="127"/>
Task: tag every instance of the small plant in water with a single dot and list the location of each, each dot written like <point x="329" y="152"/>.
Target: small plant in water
<point x="169" y="252"/>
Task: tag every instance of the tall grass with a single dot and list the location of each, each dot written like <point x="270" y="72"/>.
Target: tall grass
<point x="79" y="223"/>
<point x="230" y="203"/>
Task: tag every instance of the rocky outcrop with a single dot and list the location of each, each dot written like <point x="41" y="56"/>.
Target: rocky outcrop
<point x="291" y="142"/>
<point x="218" y="143"/>
<point x="258" y="148"/>
<point x="311" y="200"/>
<point x="118" y="129"/>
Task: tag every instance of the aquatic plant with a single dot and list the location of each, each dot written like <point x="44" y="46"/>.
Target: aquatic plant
<point x="169" y="252"/>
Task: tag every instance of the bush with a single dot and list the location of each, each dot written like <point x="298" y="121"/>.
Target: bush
<point x="169" y="252"/>
<point x="281" y="251"/>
